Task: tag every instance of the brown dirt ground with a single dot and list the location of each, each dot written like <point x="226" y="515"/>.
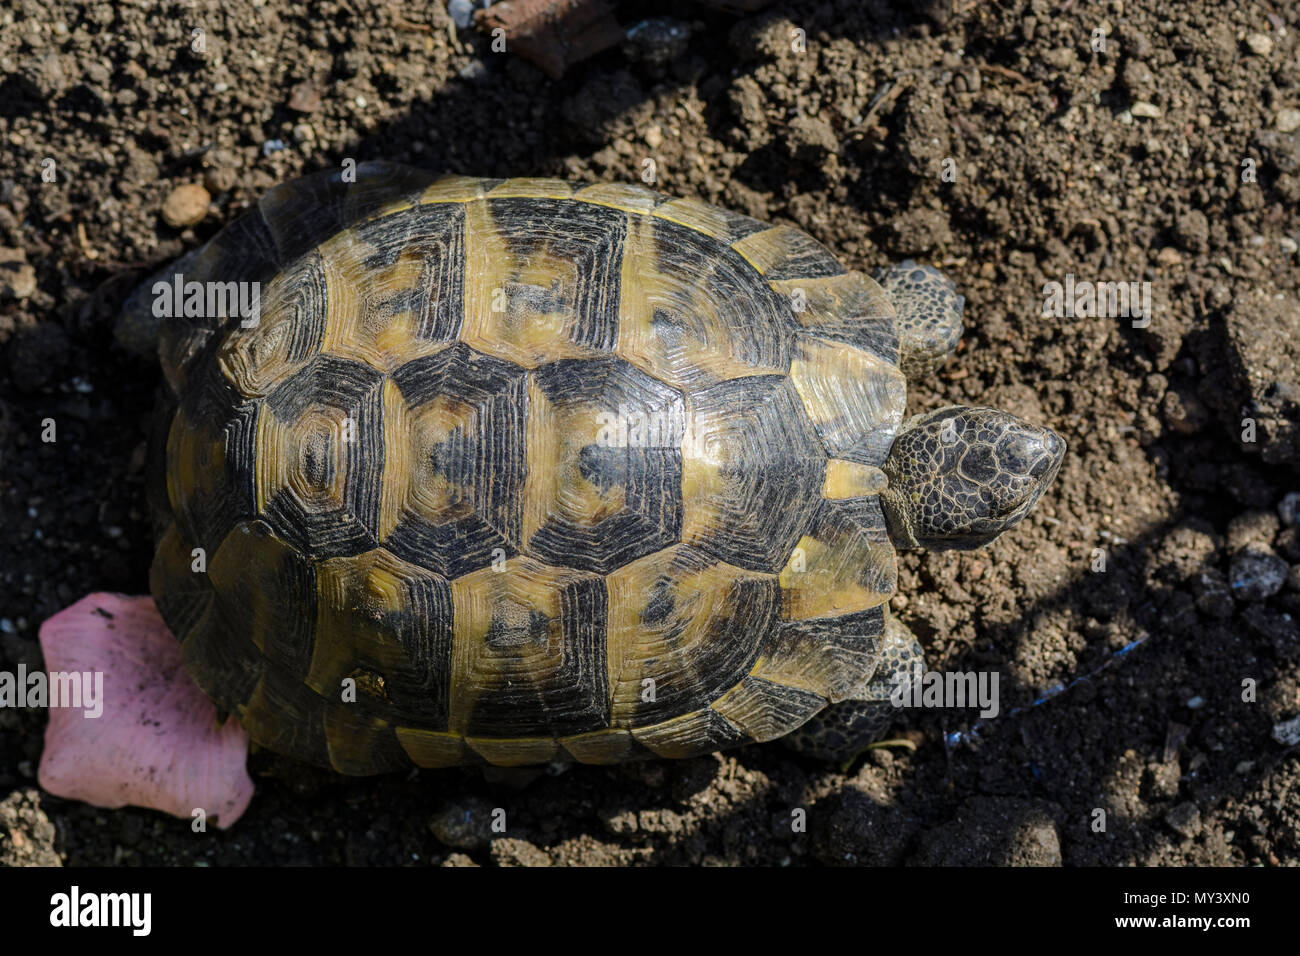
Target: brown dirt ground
<point x="846" y="141"/>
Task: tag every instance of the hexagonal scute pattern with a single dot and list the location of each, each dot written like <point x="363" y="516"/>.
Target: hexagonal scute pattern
<point x="320" y="457"/>
<point x="511" y="471"/>
<point x="394" y="286"/>
<point x="542" y="278"/>
<point x="529" y="652"/>
<point x="604" y="464"/>
<point x="455" y="467"/>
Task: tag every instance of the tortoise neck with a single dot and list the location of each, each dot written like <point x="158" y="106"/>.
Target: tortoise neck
<point x="898" y="516"/>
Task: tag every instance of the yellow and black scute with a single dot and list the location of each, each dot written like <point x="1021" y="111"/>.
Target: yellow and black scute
<point x="516" y="471"/>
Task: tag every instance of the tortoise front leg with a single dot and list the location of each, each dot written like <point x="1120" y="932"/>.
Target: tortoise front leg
<point x="842" y="731"/>
<point x="929" y="315"/>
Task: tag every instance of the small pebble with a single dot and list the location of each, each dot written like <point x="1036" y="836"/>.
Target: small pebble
<point x="462" y="13"/>
<point x="1288" y="509"/>
<point x="1287" y="732"/>
<point x="1288" y="245"/>
<point x="463" y="825"/>
<point x="1195" y="703"/>
<point x="17" y="277"/>
<point x="1145" y="110"/>
<point x="218" y="179"/>
<point x="186" y="206"/>
<point x="1256" y="573"/>
<point x="273" y="146"/>
<point x="1185" y="818"/>
<point x="1260" y="44"/>
<point x="304" y="98"/>
<point x="1287" y="120"/>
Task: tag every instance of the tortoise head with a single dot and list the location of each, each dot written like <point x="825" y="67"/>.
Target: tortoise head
<point x="959" y="477"/>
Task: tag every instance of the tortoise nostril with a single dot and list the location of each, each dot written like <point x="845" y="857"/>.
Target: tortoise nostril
<point x="1053" y="450"/>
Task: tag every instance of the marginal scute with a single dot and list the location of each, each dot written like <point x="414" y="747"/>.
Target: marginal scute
<point x="360" y="743"/>
<point x="614" y="745"/>
<point x="714" y="221"/>
<point x="382" y="189"/>
<point x="765" y="710"/>
<point x="514" y="751"/>
<point x="829" y="656"/>
<point x="855" y="400"/>
<point x="458" y="189"/>
<point x="268" y="585"/>
<point x="210" y="455"/>
<point x="302" y="213"/>
<point x="184" y="594"/>
<point x="523" y="187"/>
<point x="284" y="715"/>
<point x="690" y="735"/>
<point x="845" y="562"/>
<point x="783" y="252"/>
<point x="625" y="196"/>
<point x="431" y="748"/>
<point x="221" y="658"/>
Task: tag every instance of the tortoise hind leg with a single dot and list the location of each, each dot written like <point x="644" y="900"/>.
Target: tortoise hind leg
<point x="929" y="315"/>
<point x="842" y="731"/>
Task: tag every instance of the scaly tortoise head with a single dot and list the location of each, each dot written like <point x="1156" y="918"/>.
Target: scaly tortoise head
<point x="959" y="477"/>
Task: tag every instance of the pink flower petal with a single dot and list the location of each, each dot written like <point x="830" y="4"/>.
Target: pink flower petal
<point x="157" y="743"/>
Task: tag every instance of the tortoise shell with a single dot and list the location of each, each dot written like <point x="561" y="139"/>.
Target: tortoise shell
<point x="514" y="471"/>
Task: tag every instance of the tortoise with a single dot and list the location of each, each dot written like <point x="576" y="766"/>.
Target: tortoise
<point x="525" y="471"/>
